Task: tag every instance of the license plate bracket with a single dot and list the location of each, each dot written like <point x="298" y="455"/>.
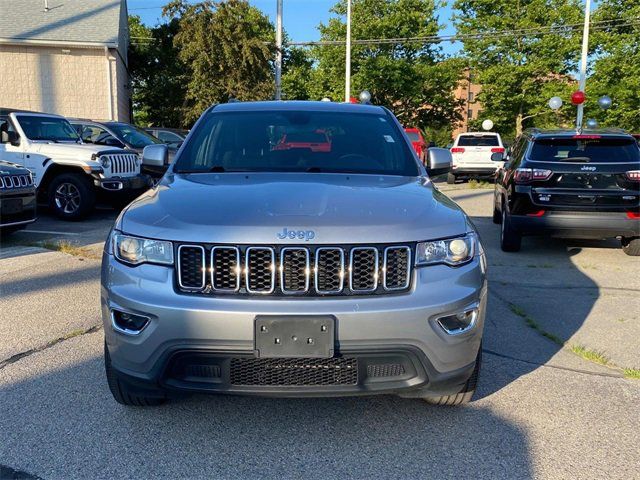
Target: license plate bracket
<point x="305" y="336"/>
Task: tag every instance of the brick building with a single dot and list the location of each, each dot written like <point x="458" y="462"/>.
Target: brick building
<point x="468" y="91"/>
<point x="65" y="56"/>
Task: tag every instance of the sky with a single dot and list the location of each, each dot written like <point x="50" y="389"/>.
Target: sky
<point x="300" y="17"/>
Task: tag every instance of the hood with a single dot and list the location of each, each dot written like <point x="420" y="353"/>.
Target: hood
<point x="70" y="150"/>
<point x="10" y="168"/>
<point x="257" y="208"/>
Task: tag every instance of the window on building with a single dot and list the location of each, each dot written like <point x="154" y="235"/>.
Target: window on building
<point x="470" y="114"/>
<point x="470" y="96"/>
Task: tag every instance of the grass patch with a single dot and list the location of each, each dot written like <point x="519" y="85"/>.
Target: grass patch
<point x="633" y="373"/>
<point x="473" y="183"/>
<point x="531" y="323"/>
<point x="591" y="355"/>
<point x="69" y="248"/>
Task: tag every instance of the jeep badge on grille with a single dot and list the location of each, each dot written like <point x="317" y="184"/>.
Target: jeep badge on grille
<point x="305" y="235"/>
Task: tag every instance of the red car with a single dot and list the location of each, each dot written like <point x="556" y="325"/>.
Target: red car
<point x="317" y="141"/>
<point x="418" y="142"/>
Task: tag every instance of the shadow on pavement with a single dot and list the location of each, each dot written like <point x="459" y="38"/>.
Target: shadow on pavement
<point x="64" y="424"/>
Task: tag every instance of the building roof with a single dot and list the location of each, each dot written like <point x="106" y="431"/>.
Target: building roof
<point x="86" y="22"/>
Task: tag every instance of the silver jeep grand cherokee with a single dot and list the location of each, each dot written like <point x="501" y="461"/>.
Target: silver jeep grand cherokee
<point x="294" y="249"/>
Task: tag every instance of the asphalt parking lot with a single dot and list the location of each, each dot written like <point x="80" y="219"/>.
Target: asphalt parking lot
<point x="555" y="400"/>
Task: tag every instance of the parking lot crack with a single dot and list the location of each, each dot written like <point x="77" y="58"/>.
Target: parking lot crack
<point x="75" y="333"/>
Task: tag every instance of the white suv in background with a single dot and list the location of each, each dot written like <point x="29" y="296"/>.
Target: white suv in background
<point x="472" y="155"/>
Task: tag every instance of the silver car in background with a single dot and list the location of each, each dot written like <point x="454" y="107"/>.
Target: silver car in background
<point x="294" y="249"/>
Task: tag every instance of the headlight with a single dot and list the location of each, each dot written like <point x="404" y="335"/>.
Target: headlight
<point x="105" y="162"/>
<point x="451" y="251"/>
<point x="135" y="250"/>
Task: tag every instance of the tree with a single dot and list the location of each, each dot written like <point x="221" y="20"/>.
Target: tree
<point x="616" y="69"/>
<point x="229" y="47"/>
<point x="520" y="71"/>
<point x="158" y="77"/>
<point x="296" y="74"/>
<point x="410" y="78"/>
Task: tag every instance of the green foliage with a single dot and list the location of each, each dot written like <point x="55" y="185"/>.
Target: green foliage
<point x="617" y="66"/>
<point x="158" y="77"/>
<point x="297" y="66"/>
<point x="519" y="73"/>
<point x="410" y="78"/>
<point x="229" y="48"/>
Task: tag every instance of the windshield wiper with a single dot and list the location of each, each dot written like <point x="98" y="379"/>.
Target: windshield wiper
<point x="314" y="170"/>
<point x="576" y="159"/>
<point x="217" y="168"/>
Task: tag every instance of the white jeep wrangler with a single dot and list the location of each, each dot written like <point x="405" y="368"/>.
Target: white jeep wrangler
<point x="68" y="174"/>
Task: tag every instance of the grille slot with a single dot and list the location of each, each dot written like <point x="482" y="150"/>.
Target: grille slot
<point x="260" y="270"/>
<point x="123" y="164"/>
<point x="191" y="267"/>
<point x="385" y="370"/>
<point x="294" y="371"/>
<point x="295" y="272"/>
<point x="225" y="269"/>
<point x="397" y="265"/>
<point x="329" y="270"/>
<point x="363" y="269"/>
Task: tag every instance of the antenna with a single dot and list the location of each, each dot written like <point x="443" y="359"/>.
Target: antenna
<point x="46" y="5"/>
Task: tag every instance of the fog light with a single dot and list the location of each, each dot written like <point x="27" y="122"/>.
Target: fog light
<point x="128" y="323"/>
<point x="461" y="322"/>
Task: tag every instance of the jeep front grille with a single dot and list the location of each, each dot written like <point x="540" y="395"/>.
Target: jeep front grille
<point x="122" y="164"/>
<point x="15" y="181"/>
<point x="293" y="270"/>
<point x="293" y="371"/>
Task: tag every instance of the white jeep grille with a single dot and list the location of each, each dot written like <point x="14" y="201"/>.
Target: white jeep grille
<point x="121" y="164"/>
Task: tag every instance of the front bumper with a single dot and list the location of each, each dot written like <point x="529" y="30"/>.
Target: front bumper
<point x="119" y="184"/>
<point x="18" y="208"/>
<point x="376" y="331"/>
<point x="588" y="225"/>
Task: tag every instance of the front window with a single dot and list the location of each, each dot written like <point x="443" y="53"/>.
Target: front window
<point x="169" y="137"/>
<point x="588" y="149"/>
<point x="413" y="136"/>
<point x="134" y="136"/>
<point x="53" y="129"/>
<point x="297" y="141"/>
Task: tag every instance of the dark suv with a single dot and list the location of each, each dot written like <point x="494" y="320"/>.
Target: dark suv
<point x="570" y="184"/>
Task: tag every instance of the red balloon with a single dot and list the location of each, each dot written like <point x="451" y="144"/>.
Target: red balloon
<point x="577" y="97"/>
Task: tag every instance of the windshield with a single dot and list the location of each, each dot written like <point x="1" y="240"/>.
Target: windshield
<point x="54" y="129"/>
<point x="133" y="136"/>
<point x="413" y="136"/>
<point x="599" y="150"/>
<point x="297" y="141"/>
<point x="478" y="141"/>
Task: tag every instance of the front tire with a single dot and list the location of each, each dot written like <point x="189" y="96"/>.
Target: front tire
<point x="631" y="246"/>
<point x="71" y="196"/>
<point x="122" y="393"/>
<point x="451" y="178"/>
<point x="510" y="238"/>
<point x="464" y="395"/>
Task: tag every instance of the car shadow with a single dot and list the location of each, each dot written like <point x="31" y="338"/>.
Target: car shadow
<point x="71" y="427"/>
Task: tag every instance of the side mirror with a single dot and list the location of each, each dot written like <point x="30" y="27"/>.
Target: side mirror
<point x="155" y="155"/>
<point x="497" y="157"/>
<point x="10" y="137"/>
<point x="439" y="161"/>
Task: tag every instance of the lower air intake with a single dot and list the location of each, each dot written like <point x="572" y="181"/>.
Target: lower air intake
<point x="294" y="371"/>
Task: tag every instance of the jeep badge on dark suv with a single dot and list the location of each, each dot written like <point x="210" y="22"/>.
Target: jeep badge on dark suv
<point x="270" y="264"/>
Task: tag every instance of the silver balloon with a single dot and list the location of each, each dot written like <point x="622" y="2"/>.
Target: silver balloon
<point x="605" y="102"/>
<point x="592" y="123"/>
<point x="365" y="96"/>
<point x="555" y="103"/>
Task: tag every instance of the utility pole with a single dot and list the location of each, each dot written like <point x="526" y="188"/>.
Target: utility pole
<point x="583" y="63"/>
<point x="347" y="81"/>
<point x="279" y="51"/>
